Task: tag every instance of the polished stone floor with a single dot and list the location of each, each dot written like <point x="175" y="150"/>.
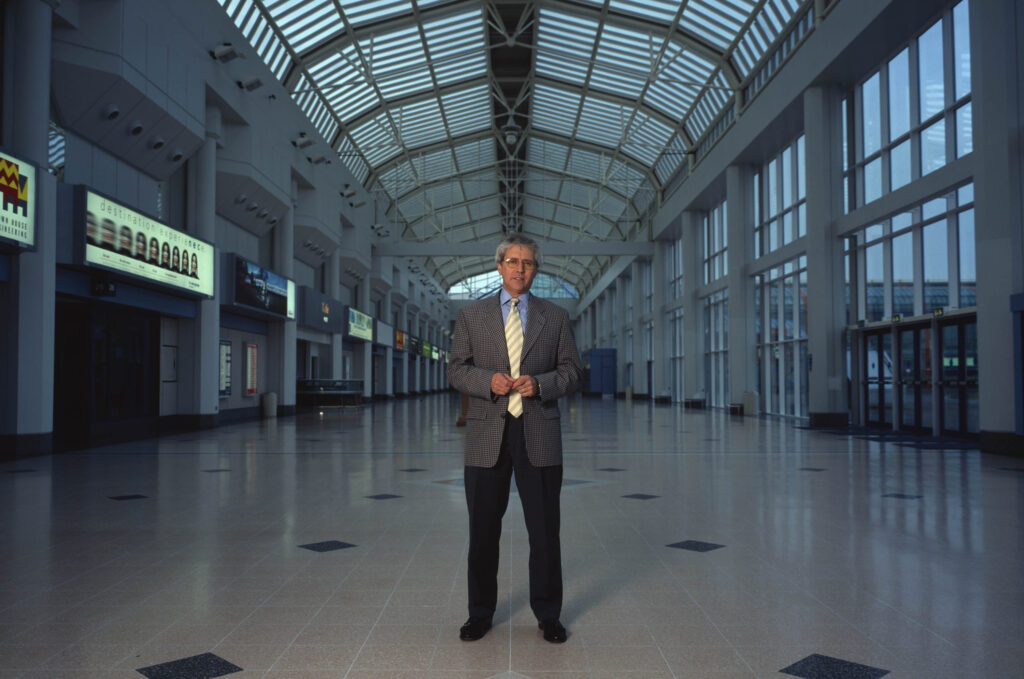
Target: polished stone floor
<point x="334" y="544"/>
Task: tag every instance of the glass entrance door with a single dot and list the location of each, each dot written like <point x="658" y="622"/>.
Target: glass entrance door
<point x="914" y="384"/>
<point x="958" y="386"/>
<point x="878" y="377"/>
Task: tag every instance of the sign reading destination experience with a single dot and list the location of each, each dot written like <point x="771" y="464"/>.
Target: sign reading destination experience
<point x="360" y="325"/>
<point x="17" y="195"/>
<point x="263" y="289"/>
<point x="124" y="240"/>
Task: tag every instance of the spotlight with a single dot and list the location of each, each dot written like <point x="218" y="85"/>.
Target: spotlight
<point x="225" y="53"/>
<point x="348" y="191"/>
<point x="302" y="141"/>
<point x="156" y="143"/>
<point x="136" y="128"/>
<point x="241" y="198"/>
<point x="177" y="155"/>
<point x="316" y="161"/>
<point x="252" y="207"/>
<point x="358" y="203"/>
<point x="250" y="84"/>
<point x="112" y="112"/>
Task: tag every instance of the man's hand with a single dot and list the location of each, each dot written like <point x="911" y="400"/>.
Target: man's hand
<point x="501" y="383"/>
<point x="527" y="386"/>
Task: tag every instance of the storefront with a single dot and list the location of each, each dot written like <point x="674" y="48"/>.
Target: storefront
<point x="320" y="318"/>
<point x="117" y="369"/>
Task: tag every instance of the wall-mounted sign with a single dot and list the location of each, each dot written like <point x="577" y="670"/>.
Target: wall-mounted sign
<point x="319" y="311"/>
<point x="251" y="369"/>
<point x="225" y="368"/>
<point x="385" y="334"/>
<point x="263" y="289"/>
<point x="129" y="242"/>
<point x="400" y="340"/>
<point x="360" y="325"/>
<point x="17" y="201"/>
<point x="414" y="345"/>
<point x="427" y="347"/>
<point x="435" y="353"/>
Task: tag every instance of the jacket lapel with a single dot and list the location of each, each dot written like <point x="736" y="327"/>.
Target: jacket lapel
<point x="495" y="326"/>
<point x="534" y="323"/>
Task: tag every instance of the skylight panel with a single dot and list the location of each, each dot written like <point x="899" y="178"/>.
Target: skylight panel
<point x="647" y="138"/>
<point x="467" y="111"/>
<point x="543" y="184"/>
<point x="353" y="161"/>
<point x="434" y="165"/>
<point x="315" y="109"/>
<point x="398" y="180"/>
<point x="361" y="12"/>
<point x="306" y="23"/>
<point x="678" y="81"/>
<point x="564" y="45"/>
<point x="376" y="140"/>
<point x="475" y="155"/>
<point x="718" y="21"/>
<point x="546" y="153"/>
<point x="457" y="46"/>
<point x="764" y="32"/>
<point x="707" y="108"/>
<point x="555" y="110"/>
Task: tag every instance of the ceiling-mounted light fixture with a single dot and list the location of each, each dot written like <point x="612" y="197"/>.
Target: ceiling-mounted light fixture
<point x="250" y="84"/>
<point x="316" y="161"/>
<point x="226" y="52"/>
<point x="357" y="203"/>
<point x="252" y="207"/>
<point x="348" y="191"/>
<point x="112" y="112"/>
<point x="157" y="143"/>
<point x="241" y="198"/>
<point x="302" y="141"/>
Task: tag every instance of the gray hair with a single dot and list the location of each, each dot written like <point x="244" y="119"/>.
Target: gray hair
<point x="517" y="239"/>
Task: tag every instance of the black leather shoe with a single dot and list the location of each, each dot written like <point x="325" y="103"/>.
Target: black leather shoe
<point x="475" y="628"/>
<point x="553" y="631"/>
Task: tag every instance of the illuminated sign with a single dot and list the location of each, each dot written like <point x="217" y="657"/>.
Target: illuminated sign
<point x="129" y="242"/>
<point x="319" y="311"/>
<point x="414" y="345"/>
<point x="427" y="349"/>
<point x="17" y="193"/>
<point x="360" y="325"/>
<point x="434" y="353"/>
<point x="225" y="368"/>
<point x="251" y="369"/>
<point x="263" y="289"/>
<point x="400" y="340"/>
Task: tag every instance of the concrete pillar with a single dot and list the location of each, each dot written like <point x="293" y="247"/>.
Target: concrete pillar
<point x="282" y="340"/>
<point x="28" y="302"/>
<point x="662" y="370"/>
<point x="826" y="305"/>
<point x="203" y="395"/>
<point x="366" y="348"/>
<point x="403" y="357"/>
<point x="619" y="316"/>
<point x="693" y="344"/>
<point x="742" y="352"/>
<point x="389" y="352"/>
<point x="637" y="300"/>
<point x="997" y="43"/>
<point x="334" y="290"/>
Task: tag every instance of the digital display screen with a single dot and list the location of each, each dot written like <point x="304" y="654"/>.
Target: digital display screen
<point x="263" y="289"/>
<point x="225" y="368"/>
<point x="434" y="353"/>
<point x="129" y="242"/>
<point x="17" y="196"/>
<point x="319" y="311"/>
<point x="360" y="325"/>
<point x="414" y="345"/>
<point x="427" y="349"/>
<point x="400" y="340"/>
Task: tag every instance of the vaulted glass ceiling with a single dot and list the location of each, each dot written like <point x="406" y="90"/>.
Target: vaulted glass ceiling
<point x="563" y="120"/>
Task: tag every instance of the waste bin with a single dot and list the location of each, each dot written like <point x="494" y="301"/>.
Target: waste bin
<point x="268" y="403"/>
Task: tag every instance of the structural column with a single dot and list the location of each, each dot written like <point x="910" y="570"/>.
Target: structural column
<point x="334" y="291"/>
<point x="997" y="81"/>
<point x="204" y="331"/>
<point x="693" y="348"/>
<point x="636" y="327"/>
<point x="282" y="340"/>
<point x="27" y="303"/>
<point x="389" y="352"/>
<point x="661" y="372"/>
<point x="742" y="352"/>
<point x="367" y="347"/>
<point x="403" y="358"/>
<point x="826" y="299"/>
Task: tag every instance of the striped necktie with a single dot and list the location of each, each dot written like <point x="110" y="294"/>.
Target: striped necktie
<point x="514" y="342"/>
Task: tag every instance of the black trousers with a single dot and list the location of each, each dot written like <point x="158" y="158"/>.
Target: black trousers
<point x="487" y="491"/>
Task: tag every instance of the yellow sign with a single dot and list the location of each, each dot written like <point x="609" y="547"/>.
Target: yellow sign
<point x="17" y="214"/>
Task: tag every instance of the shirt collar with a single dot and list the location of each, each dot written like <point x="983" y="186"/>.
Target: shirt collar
<point x="505" y="297"/>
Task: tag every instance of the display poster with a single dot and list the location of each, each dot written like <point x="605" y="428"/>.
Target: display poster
<point x="427" y="346"/>
<point x="124" y="240"/>
<point x="251" y="370"/>
<point x="413" y="343"/>
<point x="225" y="368"/>
<point x="320" y="312"/>
<point x="434" y="353"/>
<point x="18" y="189"/>
<point x="263" y="289"/>
<point x="400" y="340"/>
<point x="385" y="335"/>
<point x="360" y="325"/>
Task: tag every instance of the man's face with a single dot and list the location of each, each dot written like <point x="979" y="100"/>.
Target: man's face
<point x="517" y="276"/>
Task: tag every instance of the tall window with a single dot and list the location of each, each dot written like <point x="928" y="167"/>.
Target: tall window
<point x="676" y="357"/>
<point x="913" y="115"/>
<point x="716" y="348"/>
<point x="647" y="285"/>
<point x="895" y="281"/>
<point x="780" y="200"/>
<point x="716" y="261"/>
<point x="674" y="269"/>
<point x="780" y="295"/>
<point x="628" y="292"/>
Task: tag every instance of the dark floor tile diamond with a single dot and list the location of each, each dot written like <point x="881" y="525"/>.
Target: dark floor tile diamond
<point x="695" y="546"/>
<point x="1004" y="469"/>
<point x="327" y="546"/>
<point x="640" y="496"/>
<point x="20" y="471"/>
<point x="413" y="469"/>
<point x="902" y="496"/>
<point x="383" y="496"/>
<point x="205" y="666"/>
<point x="128" y="497"/>
<point x="812" y="469"/>
<point x="214" y="471"/>
<point x="610" y="469"/>
<point x="823" y="667"/>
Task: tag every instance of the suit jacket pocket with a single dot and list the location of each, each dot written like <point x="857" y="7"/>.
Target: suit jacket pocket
<point x="550" y="410"/>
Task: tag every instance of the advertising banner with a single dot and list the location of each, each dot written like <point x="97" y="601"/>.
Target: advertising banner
<point x="263" y="289"/>
<point x="360" y="325"/>
<point x="129" y="242"/>
<point x="225" y="368"/>
<point x="415" y="347"/>
<point x="17" y="193"/>
<point x="320" y="312"/>
<point x="251" y="369"/>
<point x="427" y="349"/>
<point x="434" y="353"/>
<point x="400" y="340"/>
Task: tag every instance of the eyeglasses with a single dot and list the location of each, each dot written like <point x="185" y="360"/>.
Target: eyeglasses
<point x="528" y="264"/>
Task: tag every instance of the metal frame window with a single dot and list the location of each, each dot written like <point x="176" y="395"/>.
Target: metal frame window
<point x="780" y="296"/>
<point x="674" y="268"/>
<point x="913" y="115"/>
<point x="716" y="348"/>
<point x="918" y="261"/>
<point x="677" y="354"/>
<point x="716" y="244"/>
<point x="780" y="199"/>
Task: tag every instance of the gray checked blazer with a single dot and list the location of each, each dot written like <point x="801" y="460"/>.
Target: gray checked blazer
<point x="549" y="354"/>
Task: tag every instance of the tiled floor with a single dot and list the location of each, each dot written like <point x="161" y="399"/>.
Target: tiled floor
<point x="695" y="545"/>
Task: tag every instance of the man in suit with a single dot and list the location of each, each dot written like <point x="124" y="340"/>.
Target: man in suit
<point x="514" y="356"/>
